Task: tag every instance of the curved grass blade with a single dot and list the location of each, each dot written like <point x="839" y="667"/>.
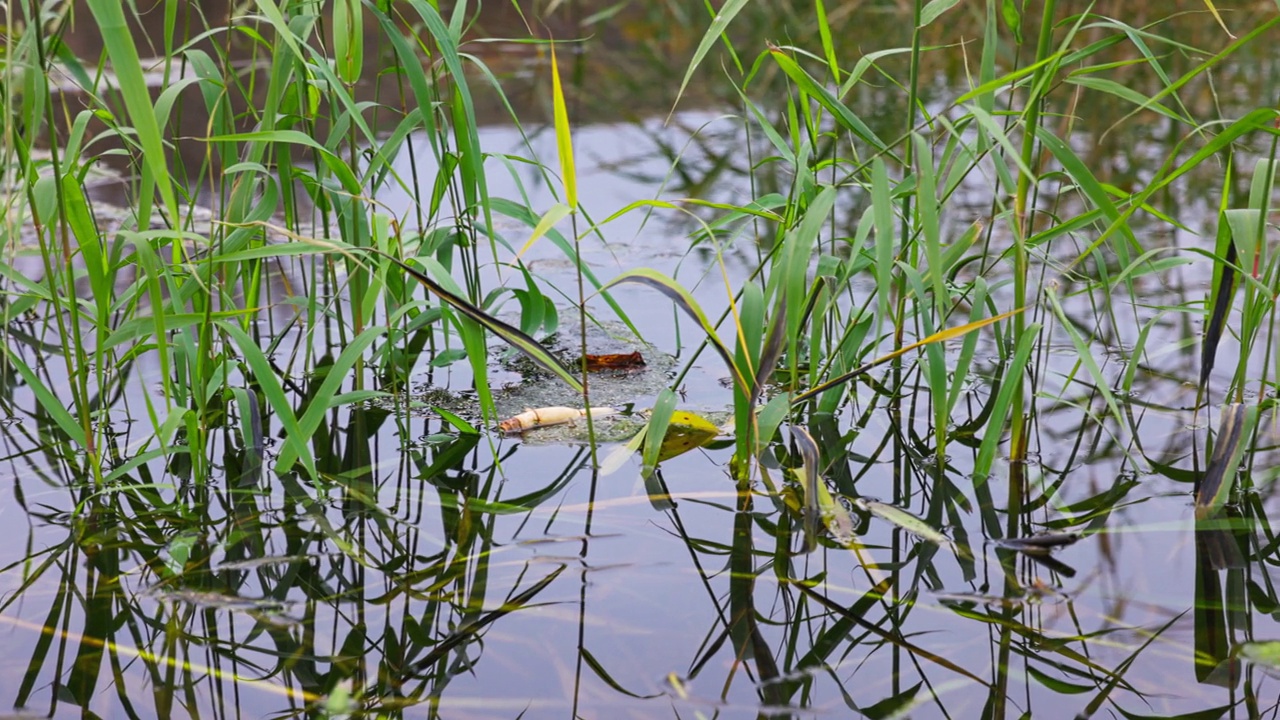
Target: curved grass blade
<point x="809" y="480"/>
<point x="295" y="443"/>
<point x="1222" y="290"/>
<point x="1234" y="432"/>
<point x="681" y="297"/>
<point x="50" y="402"/>
<point x="510" y="334"/>
<point x="820" y="508"/>
<point x="718" y="25"/>
<point x="619" y="455"/>
<point x="839" y="111"/>
<point x="471" y="628"/>
<point x="893" y="514"/>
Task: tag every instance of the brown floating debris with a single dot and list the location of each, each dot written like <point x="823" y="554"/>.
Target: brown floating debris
<point x="614" y="361"/>
<point x="541" y="417"/>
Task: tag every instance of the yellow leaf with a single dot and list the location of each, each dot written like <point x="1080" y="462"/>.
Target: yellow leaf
<point x="686" y="432"/>
<point x="564" y="142"/>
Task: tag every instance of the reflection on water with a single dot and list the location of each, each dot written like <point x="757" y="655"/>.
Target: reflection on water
<point x="434" y="573"/>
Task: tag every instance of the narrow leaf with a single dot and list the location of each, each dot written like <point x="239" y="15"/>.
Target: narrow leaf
<point x="513" y="336"/>
<point x="1233" y="436"/>
<point x="564" y="141"/>
<point x="681" y="297"/>
<point x="940" y="336"/>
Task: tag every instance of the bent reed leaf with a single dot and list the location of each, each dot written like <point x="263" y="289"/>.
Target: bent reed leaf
<point x="681" y="297"/>
<point x="1234" y="431"/>
<point x="517" y="339"/>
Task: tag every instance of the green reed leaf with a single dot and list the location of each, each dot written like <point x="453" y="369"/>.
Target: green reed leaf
<point x="934" y="10"/>
<point x="118" y="42"/>
<point x="882" y="215"/>
<point x="828" y="45"/>
<point x="348" y="39"/>
<point x="1014" y="375"/>
<point x="295" y="444"/>
<point x="718" y="24"/>
<point x="1234" y="431"/>
<point x="927" y="206"/>
<point x="770" y="418"/>
<point x="843" y="116"/>
<point x="659" y="419"/>
<point x="1013" y="18"/>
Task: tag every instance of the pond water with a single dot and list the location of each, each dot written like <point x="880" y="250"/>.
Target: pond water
<point x="435" y="573"/>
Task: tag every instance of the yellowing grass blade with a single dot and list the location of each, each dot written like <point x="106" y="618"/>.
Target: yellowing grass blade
<point x="940" y="336"/>
<point x="564" y="142"/>
<point x="545" y="223"/>
<point x="1216" y="16"/>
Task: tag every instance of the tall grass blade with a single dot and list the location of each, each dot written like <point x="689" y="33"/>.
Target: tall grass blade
<point x="718" y="24"/>
<point x="348" y="39"/>
<point x="659" y="420"/>
<point x="774" y="343"/>
<point x="564" y="139"/>
<point x="118" y="41"/>
<point x="1222" y="288"/>
<point x="1013" y="377"/>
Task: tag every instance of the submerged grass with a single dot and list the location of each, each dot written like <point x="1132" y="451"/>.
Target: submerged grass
<point x="270" y="294"/>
